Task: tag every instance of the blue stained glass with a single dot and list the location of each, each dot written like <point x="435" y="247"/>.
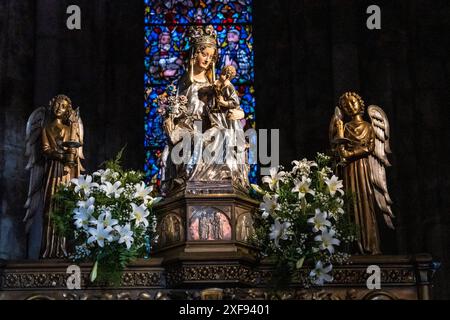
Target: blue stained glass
<point x="248" y="105"/>
<point x="151" y="166"/>
<point x="197" y="11"/>
<point x="236" y="48"/>
<point x="154" y="133"/>
<point x="253" y="175"/>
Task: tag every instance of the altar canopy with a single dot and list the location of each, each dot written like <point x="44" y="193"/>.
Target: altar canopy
<point x="166" y="50"/>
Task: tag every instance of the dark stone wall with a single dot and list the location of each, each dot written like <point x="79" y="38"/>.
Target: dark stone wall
<point x="307" y="53"/>
<point x="16" y="102"/>
<point x="100" y="68"/>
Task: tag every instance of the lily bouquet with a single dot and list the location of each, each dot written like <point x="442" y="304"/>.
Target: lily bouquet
<point x="302" y="220"/>
<point x="107" y="218"/>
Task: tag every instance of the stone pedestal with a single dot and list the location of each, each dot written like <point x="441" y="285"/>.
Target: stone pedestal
<point x="206" y="224"/>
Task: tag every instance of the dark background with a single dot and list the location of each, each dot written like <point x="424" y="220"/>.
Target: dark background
<point x="307" y="53"/>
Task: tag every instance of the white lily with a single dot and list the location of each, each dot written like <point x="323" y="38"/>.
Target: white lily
<point x="269" y="205"/>
<point x="302" y="187"/>
<point x="100" y="235"/>
<point x="320" y="274"/>
<point x="84" y="183"/>
<point x="142" y="192"/>
<point x="88" y="204"/>
<point x="274" y="178"/>
<point x="106" y="175"/>
<point x="112" y="190"/>
<point x="319" y="221"/>
<point x="334" y="185"/>
<point x="323" y="173"/>
<point x="101" y="173"/>
<point x="327" y="240"/>
<point x="139" y="213"/>
<point x="83" y="216"/>
<point x="278" y="231"/>
<point x="153" y="201"/>
<point x="337" y="213"/>
<point x="125" y="235"/>
<point x="303" y="166"/>
<point x="105" y="218"/>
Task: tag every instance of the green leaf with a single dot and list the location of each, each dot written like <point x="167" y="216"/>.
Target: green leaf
<point x="299" y="263"/>
<point x="94" y="272"/>
<point x="120" y="154"/>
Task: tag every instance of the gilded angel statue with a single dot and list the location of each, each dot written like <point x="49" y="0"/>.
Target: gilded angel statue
<point x="363" y="148"/>
<point x="54" y="139"/>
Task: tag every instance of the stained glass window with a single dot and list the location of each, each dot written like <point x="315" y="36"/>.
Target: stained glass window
<point x="166" y="50"/>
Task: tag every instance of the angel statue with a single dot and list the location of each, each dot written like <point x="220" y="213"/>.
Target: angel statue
<point x="362" y="148"/>
<point x="54" y="139"/>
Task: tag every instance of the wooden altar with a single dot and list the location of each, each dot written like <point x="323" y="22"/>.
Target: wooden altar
<point x="402" y="277"/>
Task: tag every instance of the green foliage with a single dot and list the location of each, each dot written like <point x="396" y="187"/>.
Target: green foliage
<point x="116" y="163"/>
<point x="61" y="215"/>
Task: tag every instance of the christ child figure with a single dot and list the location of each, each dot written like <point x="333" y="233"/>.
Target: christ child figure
<point x="226" y="95"/>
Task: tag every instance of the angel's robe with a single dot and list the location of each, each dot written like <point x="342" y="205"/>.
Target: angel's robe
<point x="54" y="245"/>
<point x="357" y="182"/>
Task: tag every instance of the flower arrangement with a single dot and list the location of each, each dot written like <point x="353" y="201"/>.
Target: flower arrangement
<point x="169" y="103"/>
<point x="302" y="219"/>
<point x="107" y="217"/>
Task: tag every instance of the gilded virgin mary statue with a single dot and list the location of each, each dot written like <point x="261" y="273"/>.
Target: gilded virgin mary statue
<point x="363" y="147"/>
<point x="54" y="136"/>
<point x="204" y="123"/>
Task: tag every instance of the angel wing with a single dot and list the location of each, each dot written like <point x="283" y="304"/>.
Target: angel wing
<point x="35" y="200"/>
<point x="332" y="128"/>
<point x="378" y="161"/>
<point x="81" y="136"/>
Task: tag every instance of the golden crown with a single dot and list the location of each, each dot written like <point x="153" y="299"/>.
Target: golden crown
<point x="199" y="36"/>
